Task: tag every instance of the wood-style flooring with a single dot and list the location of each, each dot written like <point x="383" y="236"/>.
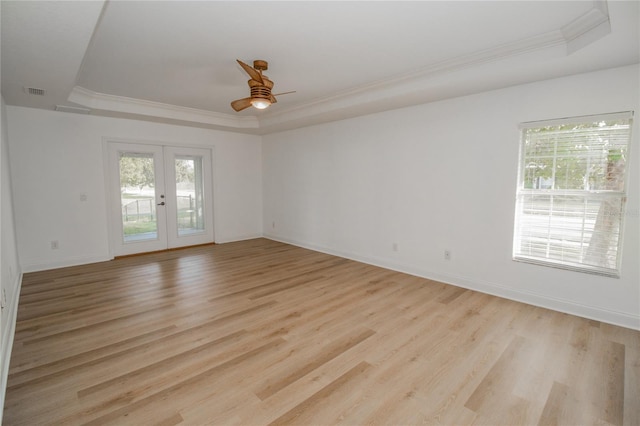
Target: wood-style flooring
<point x="259" y="332"/>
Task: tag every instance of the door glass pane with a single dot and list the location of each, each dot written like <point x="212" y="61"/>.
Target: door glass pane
<point x="137" y="182"/>
<point x="189" y="195"/>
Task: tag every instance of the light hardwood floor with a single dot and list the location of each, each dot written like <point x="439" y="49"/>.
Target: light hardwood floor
<point x="259" y="332"/>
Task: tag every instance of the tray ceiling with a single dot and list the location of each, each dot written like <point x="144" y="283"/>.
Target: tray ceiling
<point x="174" y="61"/>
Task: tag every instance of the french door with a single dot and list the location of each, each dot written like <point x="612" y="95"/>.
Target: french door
<point x="160" y="197"/>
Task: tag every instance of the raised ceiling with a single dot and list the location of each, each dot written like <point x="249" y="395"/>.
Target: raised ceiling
<point x="174" y="61"/>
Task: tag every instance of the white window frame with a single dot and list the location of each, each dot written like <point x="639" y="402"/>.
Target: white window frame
<point x="536" y="214"/>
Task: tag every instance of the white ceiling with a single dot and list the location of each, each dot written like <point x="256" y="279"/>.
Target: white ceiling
<point x="174" y="61"/>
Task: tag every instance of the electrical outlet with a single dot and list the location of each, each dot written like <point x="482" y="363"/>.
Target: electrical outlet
<point x="54" y="245"/>
<point x="447" y="255"/>
<point x="273" y="225"/>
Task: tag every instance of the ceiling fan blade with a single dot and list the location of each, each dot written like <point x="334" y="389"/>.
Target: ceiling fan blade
<point x="267" y="83"/>
<point x="240" y="104"/>
<point x="272" y="97"/>
<point x="253" y="73"/>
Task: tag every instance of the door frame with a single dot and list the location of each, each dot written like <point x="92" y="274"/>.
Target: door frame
<point x="112" y="227"/>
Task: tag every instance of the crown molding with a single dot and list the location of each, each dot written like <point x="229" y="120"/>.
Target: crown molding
<point x="587" y="28"/>
<point x="364" y="99"/>
<point x="383" y="89"/>
<point x="122" y="104"/>
<point x="579" y="33"/>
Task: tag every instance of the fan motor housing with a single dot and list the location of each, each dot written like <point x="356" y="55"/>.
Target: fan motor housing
<point x="261" y="92"/>
<point x="260" y="65"/>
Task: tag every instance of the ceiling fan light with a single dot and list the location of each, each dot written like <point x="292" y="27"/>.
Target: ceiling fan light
<point x="260" y="103"/>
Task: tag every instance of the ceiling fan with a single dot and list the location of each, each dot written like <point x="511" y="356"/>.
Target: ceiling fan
<point x="260" y="87"/>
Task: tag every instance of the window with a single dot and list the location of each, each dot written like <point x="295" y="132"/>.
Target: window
<point x="571" y="193"/>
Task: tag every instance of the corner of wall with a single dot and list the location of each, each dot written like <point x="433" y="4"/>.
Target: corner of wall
<point x="10" y="271"/>
<point x="8" y="332"/>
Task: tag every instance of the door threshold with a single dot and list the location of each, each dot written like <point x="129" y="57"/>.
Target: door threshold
<point x="124" y="256"/>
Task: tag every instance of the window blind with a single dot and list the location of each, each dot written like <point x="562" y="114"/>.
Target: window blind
<point x="571" y="192"/>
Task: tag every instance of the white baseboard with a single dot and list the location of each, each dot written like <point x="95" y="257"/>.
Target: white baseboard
<point x="622" y="319"/>
<point x="237" y="238"/>
<point x="8" y="333"/>
<point x="37" y="265"/>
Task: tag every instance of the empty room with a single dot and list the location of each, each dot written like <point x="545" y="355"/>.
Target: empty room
<point x="320" y="212"/>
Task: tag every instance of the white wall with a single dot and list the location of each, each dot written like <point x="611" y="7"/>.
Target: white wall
<point x="57" y="156"/>
<point x="10" y="274"/>
<point x="443" y="176"/>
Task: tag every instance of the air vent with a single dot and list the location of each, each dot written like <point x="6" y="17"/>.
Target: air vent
<point x="35" y="91"/>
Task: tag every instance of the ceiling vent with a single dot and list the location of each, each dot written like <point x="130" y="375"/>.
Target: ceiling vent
<point x="35" y="91"/>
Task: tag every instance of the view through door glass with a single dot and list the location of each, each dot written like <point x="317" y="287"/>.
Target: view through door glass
<point x="189" y="195"/>
<point x="138" y="197"/>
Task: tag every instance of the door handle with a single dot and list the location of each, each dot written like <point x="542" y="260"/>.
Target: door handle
<point x="160" y="204"/>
